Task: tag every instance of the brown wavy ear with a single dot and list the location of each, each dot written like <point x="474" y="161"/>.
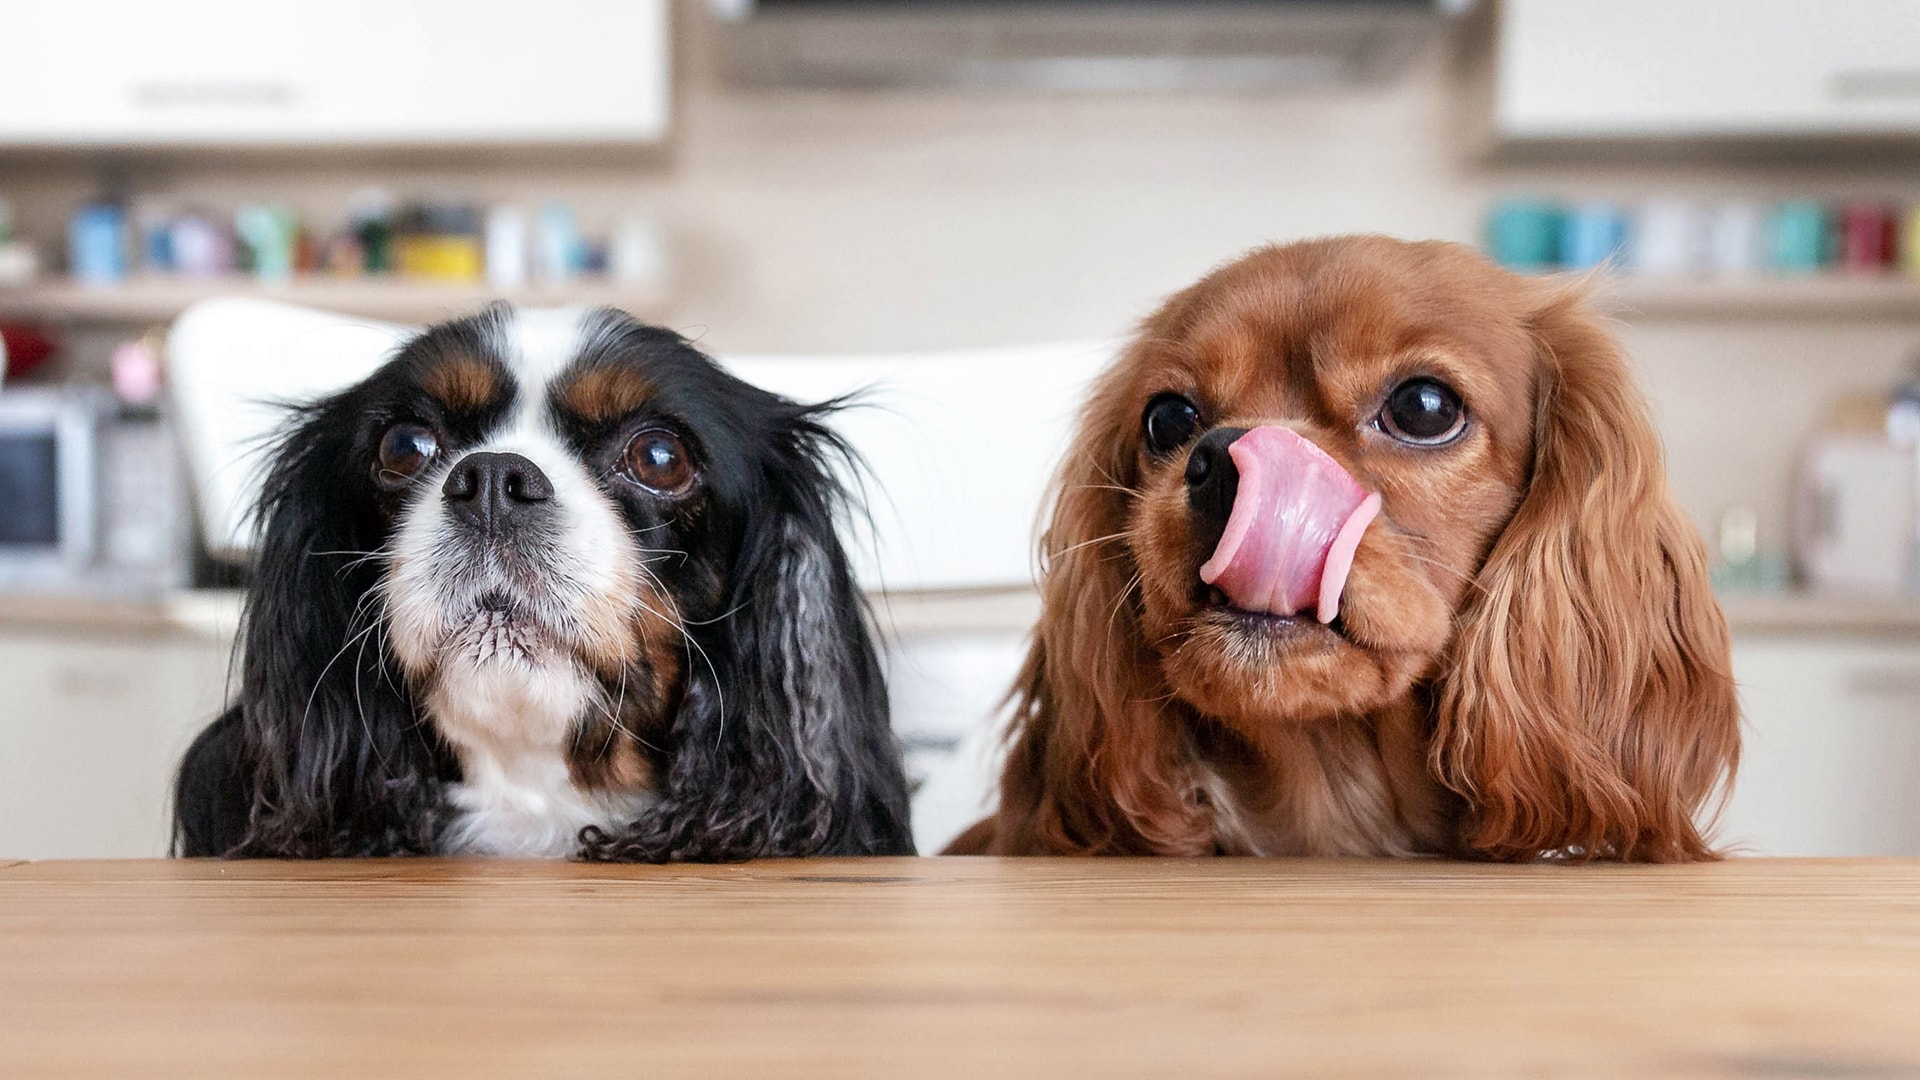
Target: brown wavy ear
<point x="1095" y="764"/>
<point x="1588" y="710"/>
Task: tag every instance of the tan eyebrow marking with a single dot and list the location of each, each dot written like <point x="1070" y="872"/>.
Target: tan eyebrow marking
<point x="462" y="383"/>
<point x="601" y="394"/>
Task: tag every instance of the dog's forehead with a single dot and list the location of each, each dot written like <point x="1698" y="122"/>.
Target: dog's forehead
<point x="564" y="358"/>
<point x="541" y="346"/>
<point x="1288" y="336"/>
<point x="538" y="359"/>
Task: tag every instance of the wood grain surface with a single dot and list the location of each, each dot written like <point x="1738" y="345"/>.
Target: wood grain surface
<point x="973" y="968"/>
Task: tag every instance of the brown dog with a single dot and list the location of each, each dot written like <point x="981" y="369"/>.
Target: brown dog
<point x="1365" y="547"/>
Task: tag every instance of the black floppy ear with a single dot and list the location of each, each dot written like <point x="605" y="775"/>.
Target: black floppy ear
<point x="321" y="754"/>
<point x="783" y="744"/>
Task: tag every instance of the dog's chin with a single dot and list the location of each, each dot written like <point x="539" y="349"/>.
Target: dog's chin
<point x="1257" y="668"/>
<point x="496" y="629"/>
<point x="502" y="675"/>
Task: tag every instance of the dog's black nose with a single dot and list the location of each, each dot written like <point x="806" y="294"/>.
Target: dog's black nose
<point x="490" y="490"/>
<point x="1212" y="481"/>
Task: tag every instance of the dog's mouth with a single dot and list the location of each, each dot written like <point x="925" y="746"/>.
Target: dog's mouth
<point x="499" y="626"/>
<point x="1212" y="606"/>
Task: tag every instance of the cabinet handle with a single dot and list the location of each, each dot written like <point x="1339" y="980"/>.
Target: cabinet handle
<point x="1884" y="682"/>
<point x="213" y="95"/>
<point x="1875" y="84"/>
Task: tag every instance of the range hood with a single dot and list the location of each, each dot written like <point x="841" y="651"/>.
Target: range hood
<point x="1074" y="44"/>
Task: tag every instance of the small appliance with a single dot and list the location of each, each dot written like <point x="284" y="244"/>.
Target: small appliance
<point x="92" y="498"/>
<point x="1857" y="513"/>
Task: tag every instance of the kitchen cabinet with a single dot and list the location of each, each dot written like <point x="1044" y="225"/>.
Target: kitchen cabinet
<point x="95" y="716"/>
<point x="948" y="692"/>
<point x="1831" y="729"/>
<point x="124" y="73"/>
<point x="93" y="723"/>
<point x="95" y="719"/>
<point x="1573" y="69"/>
<point x="1831" y="762"/>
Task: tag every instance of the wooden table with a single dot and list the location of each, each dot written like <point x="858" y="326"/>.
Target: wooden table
<point x="971" y="968"/>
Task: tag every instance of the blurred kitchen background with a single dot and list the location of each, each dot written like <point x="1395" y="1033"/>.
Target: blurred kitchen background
<point x="965" y="204"/>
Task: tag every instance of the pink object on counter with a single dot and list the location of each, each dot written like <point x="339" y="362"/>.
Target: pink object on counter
<point x="136" y="373"/>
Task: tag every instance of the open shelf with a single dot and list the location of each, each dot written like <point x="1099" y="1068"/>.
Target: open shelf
<point x="1833" y="296"/>
<point x="159" y="299"/>
<point x="1831" y="613"/>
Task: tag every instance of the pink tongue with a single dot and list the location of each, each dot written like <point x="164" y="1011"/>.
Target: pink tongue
<point x="1296" y="521"/>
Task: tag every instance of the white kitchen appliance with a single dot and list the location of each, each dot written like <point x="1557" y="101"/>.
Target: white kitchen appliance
<point x="1856" y="517"/>
<point x="91" y="499"/>
<point x="1074" y="45"/>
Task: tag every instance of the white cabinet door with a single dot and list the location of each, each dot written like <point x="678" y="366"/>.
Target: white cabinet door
<point x="1832" y="756"/>
<point x="948" y="692"/>
<point x="92" y="729"/>
<point x="399" y="72"/>
<point x="1631" y="68"/>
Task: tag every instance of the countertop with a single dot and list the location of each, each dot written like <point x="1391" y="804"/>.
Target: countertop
<point x="215" y="613"/>
<point x="960" y="967"/>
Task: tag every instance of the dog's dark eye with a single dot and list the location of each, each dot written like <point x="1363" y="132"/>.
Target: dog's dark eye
<point x="658" y="459"/>
<point x="1169" y="421"/>
<point x="405" y="449"/>
<point x="1425" y="412"/>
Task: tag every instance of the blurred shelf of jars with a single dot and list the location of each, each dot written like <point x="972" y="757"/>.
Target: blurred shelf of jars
<point x="381" y="256"/>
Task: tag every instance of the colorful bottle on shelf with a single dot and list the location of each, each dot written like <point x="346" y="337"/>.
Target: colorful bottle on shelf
<point x="1868" y="232"/>
<point x="1797" y="238"/>
<point x="506" y="248"/>
<point x="1524" y="234"/>
<point x="97" y="244"/>
<point x="440" y="242"/>
<point x="1592" y="234"/>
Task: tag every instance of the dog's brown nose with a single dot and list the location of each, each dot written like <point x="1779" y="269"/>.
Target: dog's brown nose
<point x="490" y="490"/>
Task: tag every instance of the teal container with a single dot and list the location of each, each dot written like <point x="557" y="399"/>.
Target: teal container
<point x="1799" y="238"/>
<point x="1591" y="234"/>
<point x="1525" y="234"/>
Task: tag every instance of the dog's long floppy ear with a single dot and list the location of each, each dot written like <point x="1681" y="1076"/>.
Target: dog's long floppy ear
<point x="1094" y="764"/>
<point x="1588" y="709"/>
<point x="782" y="745"/>
<point x="321" y="754"/>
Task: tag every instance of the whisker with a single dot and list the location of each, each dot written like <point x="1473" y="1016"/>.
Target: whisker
<point x="613" y="715"/>
<point x="1071" y="548"/>
<point x="1127" y="491"/>
<point x="722" y="617"/>
<point x="322" y="677"/>
<point x="360" y="705"/>
<point x="676" y="621"/>
<point x="1125" y="594"/>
